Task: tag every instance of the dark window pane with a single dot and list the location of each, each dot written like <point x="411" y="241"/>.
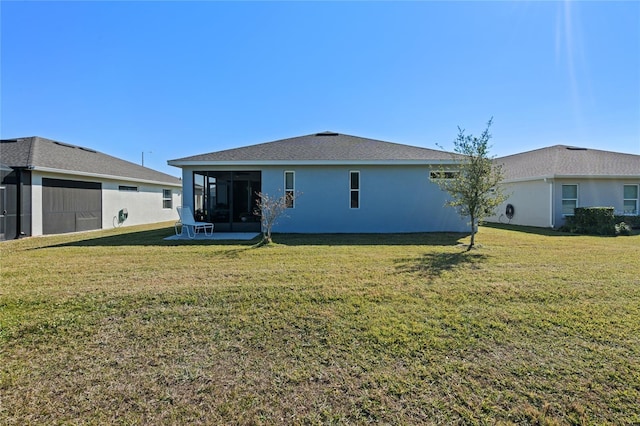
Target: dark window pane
<point x="355" y="199"/>
<point x="288" y="180"/>
<point x="355" y="180"/>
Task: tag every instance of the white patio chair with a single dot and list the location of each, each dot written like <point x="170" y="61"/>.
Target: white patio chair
<point x="188" y="222"/>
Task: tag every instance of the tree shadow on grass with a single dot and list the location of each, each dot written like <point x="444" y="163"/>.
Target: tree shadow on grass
<point x="435" y="264"/>
<point x="405" y="239"/>
<point x="547" y="232"/>
<point x="154" y="237"/>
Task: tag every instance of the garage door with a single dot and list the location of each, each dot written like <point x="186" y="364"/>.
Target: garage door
<point x="70" y="206"/>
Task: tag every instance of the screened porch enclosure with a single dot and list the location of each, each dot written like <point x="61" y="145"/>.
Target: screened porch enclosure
<point x="227" y="199"/>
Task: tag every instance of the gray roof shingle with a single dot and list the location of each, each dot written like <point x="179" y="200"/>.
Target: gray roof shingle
<point x="40" y="153"/>
<point x="567" y="161"/>
<point x="321" y="147"/>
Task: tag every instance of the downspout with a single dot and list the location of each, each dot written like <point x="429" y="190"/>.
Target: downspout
<point x="550" y="181"/>
<point x="19" y="233"/>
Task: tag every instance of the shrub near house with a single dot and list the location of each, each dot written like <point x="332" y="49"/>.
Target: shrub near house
<point x="596" y="221"/>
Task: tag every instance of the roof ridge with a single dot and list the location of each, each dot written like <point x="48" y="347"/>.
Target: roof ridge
<point x="392" y="143"/>
<point x="561" y="148"/>
<point x="544" y="148"/>
<point x="323" y="147"/>
<point x="30" y="156"/>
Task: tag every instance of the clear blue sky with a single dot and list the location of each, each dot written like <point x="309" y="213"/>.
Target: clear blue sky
<point x="185" y="78"/>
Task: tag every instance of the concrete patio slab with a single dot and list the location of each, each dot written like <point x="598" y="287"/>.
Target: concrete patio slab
<point x="217" y="236"/>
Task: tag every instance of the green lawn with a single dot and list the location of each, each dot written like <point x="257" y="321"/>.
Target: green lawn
<point x="119" y="326"/>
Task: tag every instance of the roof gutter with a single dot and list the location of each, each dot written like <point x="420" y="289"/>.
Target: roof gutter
<point x="548" y="177"/>
<point x="103" y="176"/>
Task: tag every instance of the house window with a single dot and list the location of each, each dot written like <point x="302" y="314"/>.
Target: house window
<point x="167" y="199"/>
<point x="569" y="199"/>
<point x="128" y="188"/>
<point x="630" y="205"/>
<point x="289" y="188"/>
<point x="443" y="174"/>
<point x="354" y="190"/>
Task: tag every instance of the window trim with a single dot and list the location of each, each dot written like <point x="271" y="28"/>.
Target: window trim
<point x="290" y="192"/>
<point x="167" y="200"/>
<point x="353" y="190"/>
<point x="636" y="200"/>
<point x="569" y="199"/>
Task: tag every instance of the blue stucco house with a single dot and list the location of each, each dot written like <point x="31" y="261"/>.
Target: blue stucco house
<point x="343" y="184"/>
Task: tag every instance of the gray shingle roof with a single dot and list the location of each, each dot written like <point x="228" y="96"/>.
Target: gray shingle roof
<point x="321" y="147"/>
<point x="567" y="161"/>
<point x="40" y="153"/>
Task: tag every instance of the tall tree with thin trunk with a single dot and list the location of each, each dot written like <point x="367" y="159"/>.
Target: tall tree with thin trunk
<point x="475" y="191"/>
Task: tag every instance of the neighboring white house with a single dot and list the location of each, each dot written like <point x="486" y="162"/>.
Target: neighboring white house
<point x="51" y="187"/>
<point x="546" y="185"/>
<point x="346" y="184"/>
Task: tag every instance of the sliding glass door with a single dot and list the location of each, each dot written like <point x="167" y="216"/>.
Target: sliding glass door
<point x="228" y="199"/>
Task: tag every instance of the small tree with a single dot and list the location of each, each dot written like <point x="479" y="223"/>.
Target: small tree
<point x="270" y="208"/>
<point x="475" y="191"/>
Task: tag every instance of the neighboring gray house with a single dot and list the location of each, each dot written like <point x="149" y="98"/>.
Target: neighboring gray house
<point x="50" y="187"/>
<point x="346" y="184"/>
<point x="545" y="185"/>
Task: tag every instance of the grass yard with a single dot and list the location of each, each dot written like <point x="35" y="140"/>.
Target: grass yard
<point x="121" y="327"/>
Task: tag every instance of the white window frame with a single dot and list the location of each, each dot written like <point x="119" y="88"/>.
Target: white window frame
<point x="290" y="192"/>
<point x="570" y="199"/>
<point x="167" y="201"/>
<point x="636" y="200"/>
<point x="353" y="190"/>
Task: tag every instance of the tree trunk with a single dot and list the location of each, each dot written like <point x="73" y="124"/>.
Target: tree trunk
<point x="473" y="233"/>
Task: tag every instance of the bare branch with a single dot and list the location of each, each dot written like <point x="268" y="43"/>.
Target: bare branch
<point x="270" y="208"/>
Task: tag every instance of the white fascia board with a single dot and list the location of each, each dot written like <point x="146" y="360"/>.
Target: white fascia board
<point x="312" y="163"/>
<point x="549" y="177"/>
<point x="102" y="176"/>
<point x="527" y="179"/>
<point x="609" y="177"/>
